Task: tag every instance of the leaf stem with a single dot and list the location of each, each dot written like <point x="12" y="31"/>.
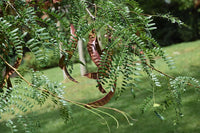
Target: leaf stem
<point x="90" y="14"/>
<point x="160" y="71"/>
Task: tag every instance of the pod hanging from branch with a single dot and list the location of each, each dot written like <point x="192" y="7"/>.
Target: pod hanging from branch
<point x="95" y="52"/>
<point x="92" y="48"/>
<point x="62" y="63"/>
<point x="94" y="75"/>
<point x="103" y="100"/>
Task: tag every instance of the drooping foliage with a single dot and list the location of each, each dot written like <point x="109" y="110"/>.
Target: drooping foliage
<point x="128" y="49"/>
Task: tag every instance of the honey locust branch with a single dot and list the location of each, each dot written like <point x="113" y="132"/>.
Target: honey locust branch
<point x="67" y="100"/>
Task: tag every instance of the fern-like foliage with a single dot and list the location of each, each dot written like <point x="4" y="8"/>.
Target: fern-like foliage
<point x="173" y="98"/>
<point x="23" y="99"/>
<point x="128" y="50"/>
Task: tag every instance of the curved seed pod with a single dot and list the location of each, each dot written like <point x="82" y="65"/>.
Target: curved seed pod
<point x="62" y="63"/>
<point x="73" y="41"/>
<point x="103" y="100"/>
<point x="68" y="75"/>
<point x="100" y="87"/>
<point x="94" y="75"/>
<point x="98" y="47"/>
<point x="95" y="53"/>
<point x="92" y="49"/>
<point x="95" y="50"/>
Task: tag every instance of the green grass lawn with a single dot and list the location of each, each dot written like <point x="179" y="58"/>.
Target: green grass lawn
<point x="187" y="59"/>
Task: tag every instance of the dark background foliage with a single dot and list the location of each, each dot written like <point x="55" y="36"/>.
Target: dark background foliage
<point x="167" y="32"/>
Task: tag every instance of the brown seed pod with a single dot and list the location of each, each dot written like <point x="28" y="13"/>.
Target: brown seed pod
<point x="92" y="49"/>
<point x="103" y="100"/>
<point x="62" y="63"/>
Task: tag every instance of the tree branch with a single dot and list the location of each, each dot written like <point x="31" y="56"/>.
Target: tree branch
<point x="168" y="75"/>
<point x="13" y="8"/>
<point x="90" y="14"/>
<point x="160" y="71"/>
<point x="67" y="100"/>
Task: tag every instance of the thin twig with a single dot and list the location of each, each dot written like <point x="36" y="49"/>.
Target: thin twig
<point x="193" y="85"/>
<point x="15" y="71"/>
<point x="111" y="27"/>
<point x="13" y="8"/>
<point x="30" y="84"/>
<point x="160" y="71"/>
<point x="93" y="4"/>
<point x="119" y="111"/>
<point x="90" y="14"/>
<point x="89" y="3"/>
<point x="168" y="75"/>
